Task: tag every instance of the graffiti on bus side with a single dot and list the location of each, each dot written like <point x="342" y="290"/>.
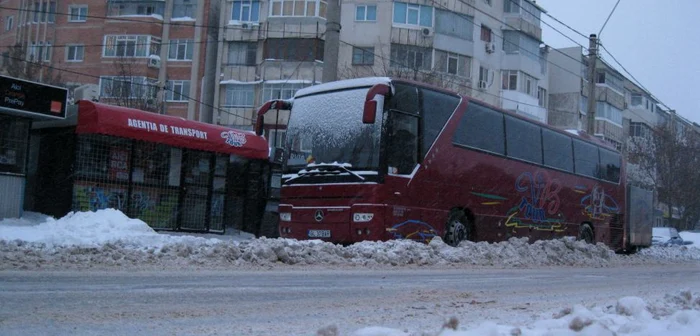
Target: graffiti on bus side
<point x="599" y="205"/>
<point x="414" y="230"/>
<point x="539" y="204"/>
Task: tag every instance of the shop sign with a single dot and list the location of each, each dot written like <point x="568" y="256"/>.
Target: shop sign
<point x="33" y="98"/>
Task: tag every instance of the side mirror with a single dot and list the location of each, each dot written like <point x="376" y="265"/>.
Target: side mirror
<point x="369" y="114"/>
<point x="259" y="124"/>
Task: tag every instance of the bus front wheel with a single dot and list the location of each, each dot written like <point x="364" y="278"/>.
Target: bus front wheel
<point x="585" y="233"/>
<point x="458" y="228"/>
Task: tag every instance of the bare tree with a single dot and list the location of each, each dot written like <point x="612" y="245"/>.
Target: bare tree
<point x="128" y="87"/>
<point x="19" y="63"/>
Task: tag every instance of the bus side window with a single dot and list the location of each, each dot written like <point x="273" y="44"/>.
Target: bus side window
<point x="523" y="140"/>
<point x="436" y="110"/>
<point x="609" y="168"/>
<point x="587" y="159"/>
<point x="482" y="128"/>
<point x="557" y="150"/>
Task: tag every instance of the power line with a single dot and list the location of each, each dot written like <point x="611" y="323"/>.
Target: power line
<point x="148" y="85"/>
<point x="550" y="26"/>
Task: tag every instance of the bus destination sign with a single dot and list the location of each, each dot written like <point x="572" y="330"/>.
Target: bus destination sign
<point x="32" y="99"/>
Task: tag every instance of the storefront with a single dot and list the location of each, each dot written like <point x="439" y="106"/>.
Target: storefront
<point x="22" y="103"/>
<point x="172" y="173"/>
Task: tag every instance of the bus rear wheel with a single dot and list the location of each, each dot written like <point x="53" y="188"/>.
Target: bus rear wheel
<point x="585" y="233"/>
<point x="458" y="228"/>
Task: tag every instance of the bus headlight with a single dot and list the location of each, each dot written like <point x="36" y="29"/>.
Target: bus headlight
<point x="286" y="216"/>
<point x="362" y="217"/>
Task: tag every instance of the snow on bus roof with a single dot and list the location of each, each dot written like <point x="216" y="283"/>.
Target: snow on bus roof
<point x="342" y="84"/>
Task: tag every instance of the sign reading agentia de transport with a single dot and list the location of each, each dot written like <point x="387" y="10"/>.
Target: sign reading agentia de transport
<point x="33" y="98"/>
<point x="231" y="137"/>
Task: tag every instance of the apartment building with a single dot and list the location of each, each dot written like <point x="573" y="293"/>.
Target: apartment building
<point x="139" y="54"/>
<point x="568" y="98"/>
<point x="489" y="49"/>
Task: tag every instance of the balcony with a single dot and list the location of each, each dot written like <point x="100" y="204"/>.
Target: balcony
<point x="519" y="23"/>
<point x="605" y="93"/>
<point x="523" y="104"/>
<point x="121" y="8"/>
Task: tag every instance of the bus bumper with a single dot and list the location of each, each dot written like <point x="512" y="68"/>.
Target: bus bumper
<point x="337" y="224"/>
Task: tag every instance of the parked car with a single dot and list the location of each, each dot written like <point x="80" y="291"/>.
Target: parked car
<point x="665" y="236"/>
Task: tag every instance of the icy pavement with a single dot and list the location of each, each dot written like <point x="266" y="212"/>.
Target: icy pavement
<point x="108" y="239"/>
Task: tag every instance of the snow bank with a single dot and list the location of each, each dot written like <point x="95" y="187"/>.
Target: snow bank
<point x="677" y="314"/>
<point x="691" y="236"/>
<point x="108" y="238"/>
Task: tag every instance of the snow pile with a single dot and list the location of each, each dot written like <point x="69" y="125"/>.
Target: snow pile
<point x="677" y="314"/>
<point x="108" y="238"/>
<point x="691" y="236"/>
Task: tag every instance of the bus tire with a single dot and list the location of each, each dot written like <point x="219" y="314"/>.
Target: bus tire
<point x="458" y="228"/>
<point x="585" y="233"/>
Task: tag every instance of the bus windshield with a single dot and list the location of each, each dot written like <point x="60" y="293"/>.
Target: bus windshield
<point x="326" y="130"/>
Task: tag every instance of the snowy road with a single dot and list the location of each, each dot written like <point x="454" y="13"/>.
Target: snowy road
<point x="300" y="302"/>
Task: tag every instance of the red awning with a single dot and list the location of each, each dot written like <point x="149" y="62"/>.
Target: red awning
<point x="178" y="132"/>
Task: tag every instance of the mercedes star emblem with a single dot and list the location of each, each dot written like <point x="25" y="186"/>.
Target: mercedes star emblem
<point x="319" y="215"/>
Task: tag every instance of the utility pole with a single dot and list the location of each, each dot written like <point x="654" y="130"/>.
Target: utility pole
<point x="211" y="78"/>
<point x="332" y="44"/>
<point x="592" y="58"/>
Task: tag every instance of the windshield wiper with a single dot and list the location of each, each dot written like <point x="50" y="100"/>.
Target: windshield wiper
<point x="325" y="168"/>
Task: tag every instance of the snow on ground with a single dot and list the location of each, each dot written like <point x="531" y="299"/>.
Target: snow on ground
<point x="108" y="238"/>
<point x="691" y="236"/>
<point x="677" y="314"/>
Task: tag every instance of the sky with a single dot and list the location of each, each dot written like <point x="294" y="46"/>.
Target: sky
<point x="658" y="41"/>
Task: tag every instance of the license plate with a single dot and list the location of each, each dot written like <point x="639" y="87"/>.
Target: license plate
<point x="319" y="233"/>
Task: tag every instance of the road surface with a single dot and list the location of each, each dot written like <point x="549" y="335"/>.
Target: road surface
<point x="300" y="302"/>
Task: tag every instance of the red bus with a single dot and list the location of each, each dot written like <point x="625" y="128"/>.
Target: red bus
<point x="381" y="158"/>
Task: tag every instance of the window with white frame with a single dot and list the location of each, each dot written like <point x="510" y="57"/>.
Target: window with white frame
<point x="609" y="79"/>
<point x="636" y="99"/>
<point x="515" y="42"/>
<point x="509" y="80"/>
<point x="276" y="138"/>
<point x="362" y="55"/>
<point x="239" y="95"/>
<point x="242" y="53"/>
<point x="298" y="8"/>
<point x="527" y="11"/>
<point x="77" y="13"/>
<point x="137" y="8"/>
<point x="413" y="15"/>
<point x="366" y="13"/>
<point x="75" y="53"/>
<point x="451" y="63"/>
<point x="484" y="77"/>
<point x="9" y="22"/>
<point x="184" y="8"/>
<point x="410" y="56"/>
<point x="44" y="12"/>
<point x="486" y="34"/>
<point x="177" y="90"/>
<point x="542" y="97"/>
<point x="245" y="11"/>
<point x="606" y="111"/>
<point x="131" y="46"/>
<point x="283" y="90"/>
<point x="127" y="87"/>
<point x="40" y="51"/>
<point x="454" y="24"/>
<point x="181" y="50"/>
<point x="528" y="84"/>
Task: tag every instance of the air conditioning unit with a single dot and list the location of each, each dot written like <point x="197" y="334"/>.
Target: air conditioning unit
<point x="490" y="47"/>
<point x="246" y="26"/>
<point x="87" y="92"/>
<point x="482" y="85"/>
<point x="154" y="62"/>
<point x="426" y="32"/>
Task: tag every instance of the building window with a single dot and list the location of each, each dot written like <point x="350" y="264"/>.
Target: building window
<point x="529" y="84"/>
<point x="75" y="53"/>
<point x="483" y="77"/>
<point x="453" y="64"/>
<point x="137" y="8"/>
<point x="509" y="80"/>
<point x="412" y="57"/>
<point x="131" y="46"/>
<point x="181" y="50"/>
<point x="238" y="95"/>
<point x="127" y="87"/>
<point x="294" y="49"/>
<point x="488" y="2"/>
<point x="281" y="90"/>
<point x="608" y="112"/>
<point x="298" y="8"/>
<point x="366" y="13"/>
<point x="178" y="90"/>
<point x="184" y="8"/>
<point x="542" y="96"/>
<point x="614" y="82"/>
<point x="246" y="11"/>
<point x="636" y="99"/>
<point x="485" y="34"/>
<point x="14" y="135"/>
<point x="413" y="15"/>
<point x="362" y="56"/>
<point x="9" y="22"/>
<point x="276" y="138"/>
<point x="77" y="13"/>
<point x="454" y="24"/>
<point x="45" y="12"/>
<point x="40" y="51"/>
<point x="242" y="53"/>
<point x="515" y="42"/>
